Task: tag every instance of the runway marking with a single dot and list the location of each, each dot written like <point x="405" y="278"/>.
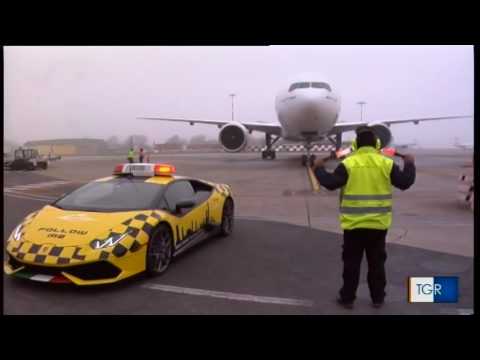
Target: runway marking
<point x="22" y="191"/>
<point x="29" y="197"/>
<point x="229" y="295"/>
<point x="36" y="185"/>
<point x="313" y="180"/>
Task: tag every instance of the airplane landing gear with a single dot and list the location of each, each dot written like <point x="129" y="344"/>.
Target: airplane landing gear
<point x="337" y="142"/>
<point x="269" y="153"/>
<point x="308" y="159"/>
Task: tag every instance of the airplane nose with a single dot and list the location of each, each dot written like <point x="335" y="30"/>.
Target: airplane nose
<point x="314" y="101"/>
<point x="311" y="117"/>
<point x="315" y="112"/>
<point x="313" y="106"/>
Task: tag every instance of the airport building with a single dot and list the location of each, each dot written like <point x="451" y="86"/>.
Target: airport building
<point x="66" y="147"/>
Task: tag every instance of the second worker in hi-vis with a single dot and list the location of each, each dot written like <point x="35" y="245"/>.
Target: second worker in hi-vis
<point x="365" y="178"/>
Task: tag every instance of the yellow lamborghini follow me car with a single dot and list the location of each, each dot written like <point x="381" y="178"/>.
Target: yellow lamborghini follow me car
<point x="112" y="228"/>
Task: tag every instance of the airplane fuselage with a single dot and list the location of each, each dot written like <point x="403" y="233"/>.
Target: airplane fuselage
<point x="307" y="111"/>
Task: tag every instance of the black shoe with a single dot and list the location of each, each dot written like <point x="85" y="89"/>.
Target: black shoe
<point x="377" y="304"/>
<point x="345" y="304"/>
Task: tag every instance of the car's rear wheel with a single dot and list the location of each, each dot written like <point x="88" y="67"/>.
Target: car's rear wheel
<point x="226" y="228"/>
<point x="159" y="250"/>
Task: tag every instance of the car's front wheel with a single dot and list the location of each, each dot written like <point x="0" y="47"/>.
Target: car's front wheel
<point x="159" y="250"/>
<point x="226" y="227"/>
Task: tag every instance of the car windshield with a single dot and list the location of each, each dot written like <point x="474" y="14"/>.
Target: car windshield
<point x="117" y="194"/>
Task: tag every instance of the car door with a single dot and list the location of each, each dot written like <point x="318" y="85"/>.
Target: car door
<point x="190" y="219"/>
<point x="205" y="202"/>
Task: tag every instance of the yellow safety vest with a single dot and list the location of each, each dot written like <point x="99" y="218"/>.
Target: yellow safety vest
<point x="366" y="198"/>
<point x="131" y="154"/>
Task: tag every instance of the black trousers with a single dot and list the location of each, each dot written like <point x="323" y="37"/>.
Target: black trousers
<point x="355" y="242"/>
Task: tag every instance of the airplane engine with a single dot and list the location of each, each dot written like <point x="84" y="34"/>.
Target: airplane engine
<point x="383" y="132"/>
<point x="233" y="137"/>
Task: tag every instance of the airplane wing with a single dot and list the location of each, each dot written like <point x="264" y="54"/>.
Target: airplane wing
<point x="348" y="126"/>
<point x="269" y="128"/>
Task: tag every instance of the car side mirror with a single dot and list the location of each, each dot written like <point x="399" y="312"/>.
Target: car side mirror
<point x="184" y="204"/>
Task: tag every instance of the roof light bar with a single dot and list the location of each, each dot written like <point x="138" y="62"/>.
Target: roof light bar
<point x="164" y="169"/>
<point x="140" y="169"/>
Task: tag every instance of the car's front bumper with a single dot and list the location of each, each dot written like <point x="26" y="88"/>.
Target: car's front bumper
<point x="83" y="273"/>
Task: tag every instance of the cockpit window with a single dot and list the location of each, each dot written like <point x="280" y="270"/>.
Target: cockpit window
<point x="321" y="85"/>
<point x="302" y="85"/>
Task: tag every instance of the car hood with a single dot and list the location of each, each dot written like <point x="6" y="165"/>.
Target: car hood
<point x="66" y="228"/>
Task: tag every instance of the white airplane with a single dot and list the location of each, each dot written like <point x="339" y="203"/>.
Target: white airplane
<point x="307" y="112"/>
<point x="463" y="146"/>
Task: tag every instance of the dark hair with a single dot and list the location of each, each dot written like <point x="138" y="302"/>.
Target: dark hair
<point x="366" y="138"/>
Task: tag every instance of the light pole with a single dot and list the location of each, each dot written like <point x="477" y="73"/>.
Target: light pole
<point x="232" y="96"/>
<point x="361" y="103"/>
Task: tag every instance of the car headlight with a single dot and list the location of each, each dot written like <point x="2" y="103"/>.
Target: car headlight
<point x="108" y="242"/>
<point x="17" y="233"/>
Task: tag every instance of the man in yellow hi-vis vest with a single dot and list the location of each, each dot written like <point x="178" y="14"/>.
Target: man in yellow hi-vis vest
<point x="365" y="178"/>
<point x="131" y="155"/>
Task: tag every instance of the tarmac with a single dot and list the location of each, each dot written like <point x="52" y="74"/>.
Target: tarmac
<point x="284" y="256"/>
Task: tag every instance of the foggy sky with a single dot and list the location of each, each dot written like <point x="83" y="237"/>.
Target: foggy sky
<point x="96" y="92"/>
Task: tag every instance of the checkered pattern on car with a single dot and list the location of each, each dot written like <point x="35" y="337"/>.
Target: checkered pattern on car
<point x="139" y="229"/>
<point x="50" y="254"/>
